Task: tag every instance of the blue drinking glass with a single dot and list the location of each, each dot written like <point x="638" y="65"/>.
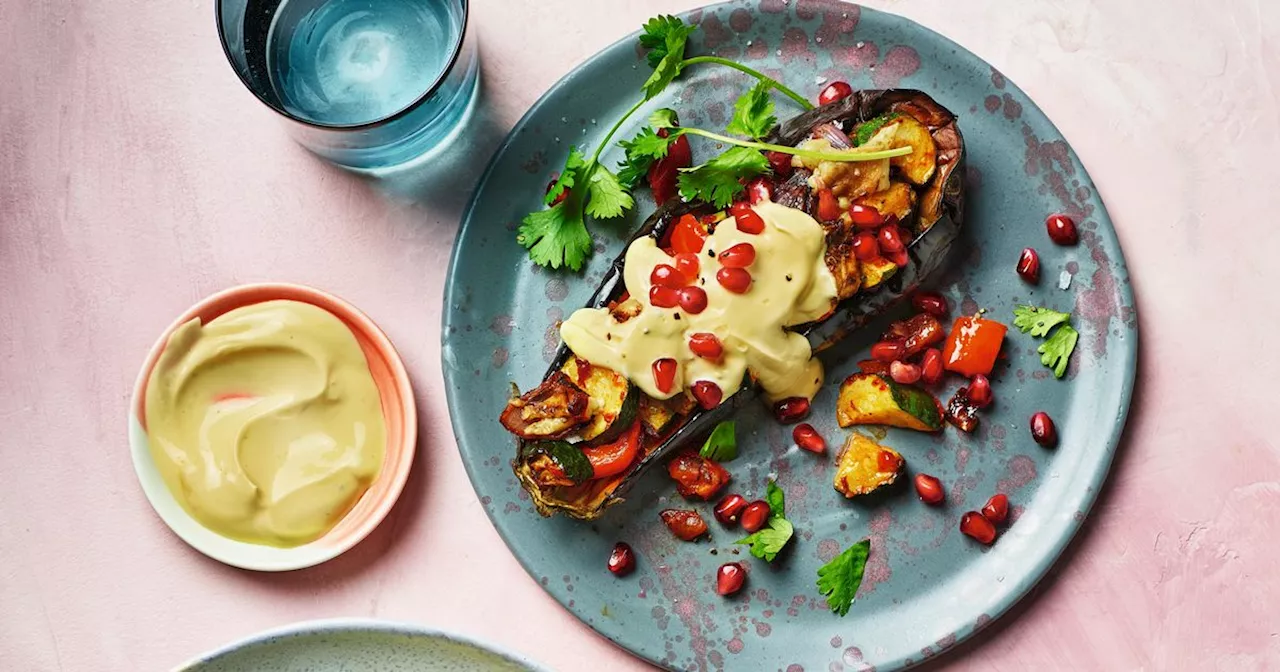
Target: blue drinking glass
<point x="366" y="84"/>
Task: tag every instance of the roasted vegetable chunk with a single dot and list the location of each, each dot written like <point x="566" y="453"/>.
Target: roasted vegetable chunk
<point x="868" y="399"/>
<point x="697" y="477"/>
<point x="898" y="200"/>
<point x="551" y="410"/>
<point x="611" y="397"/>
<point x="919" y="164"/>
<point x="865" y="466"/>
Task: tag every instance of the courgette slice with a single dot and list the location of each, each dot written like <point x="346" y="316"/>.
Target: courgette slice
<point x="659" y="415"/>
<point x="919" y="164"/>
<point x="898" y="200"/>
<point x="869" y="399"/>
<point x="876" y="271"/>
<point x="613" y="400"/>
<point x="860" y="468"/>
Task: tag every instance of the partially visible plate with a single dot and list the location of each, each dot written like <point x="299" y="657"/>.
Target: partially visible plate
<point x="364" y="645"/>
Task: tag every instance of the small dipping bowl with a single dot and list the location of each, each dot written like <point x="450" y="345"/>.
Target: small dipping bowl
<point x="398" y="411"/>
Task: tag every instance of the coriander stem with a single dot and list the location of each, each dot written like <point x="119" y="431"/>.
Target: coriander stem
<point x="846" y="155"/>
<point x="609" y="136"/>
<point x="754" y="73"/>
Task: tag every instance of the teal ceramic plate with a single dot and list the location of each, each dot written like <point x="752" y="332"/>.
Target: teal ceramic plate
<point x="358" y="644"/>
<point x="927" y="587"/>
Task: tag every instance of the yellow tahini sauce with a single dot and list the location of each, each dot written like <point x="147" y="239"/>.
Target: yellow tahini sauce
<point x="791" y="285"/>
<point x="265" y="423"/>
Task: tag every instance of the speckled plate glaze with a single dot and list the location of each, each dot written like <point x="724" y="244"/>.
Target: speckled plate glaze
<point x="927" y="586"/>
<point x="340" y="645"/>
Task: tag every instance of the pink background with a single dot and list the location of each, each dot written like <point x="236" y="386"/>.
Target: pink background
<point x="137" y="175"/>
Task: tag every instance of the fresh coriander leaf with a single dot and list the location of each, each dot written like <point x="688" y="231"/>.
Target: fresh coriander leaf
<point x="1037" y="321"/>
<point x="719" y="179"/>
<point x="1055" y="352"/>
<point x="641" y="152"/>
<point x="722" y="445"/>
<point x="867" y="129"/>
<point x="768" y="542"/>
<point x="777" y="501"/>
<point x="658" y="35"/>
<point x="606" y="197"/>
<point x="573" y="166"/>
<point x="839" y="579"/>
<point x="664" y="74"/>
<point x="557" y="236"/>
<point x="664" y="117"/>
<point x="753" y="113"/>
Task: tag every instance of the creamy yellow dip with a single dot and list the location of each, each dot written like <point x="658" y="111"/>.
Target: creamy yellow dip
<point x="791" y="285"/>
<point x="265" y="423"/>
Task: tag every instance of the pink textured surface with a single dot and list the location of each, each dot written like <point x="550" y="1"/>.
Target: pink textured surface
<point x="136" y="175"/>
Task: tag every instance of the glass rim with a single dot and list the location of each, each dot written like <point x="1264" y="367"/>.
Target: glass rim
<point x="381" y="121"/>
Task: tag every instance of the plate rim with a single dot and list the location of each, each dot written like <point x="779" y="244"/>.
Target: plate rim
<point x="1083" y="502"/>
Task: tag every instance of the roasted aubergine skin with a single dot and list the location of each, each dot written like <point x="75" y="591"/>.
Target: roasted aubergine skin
<point x="937" y="216"/>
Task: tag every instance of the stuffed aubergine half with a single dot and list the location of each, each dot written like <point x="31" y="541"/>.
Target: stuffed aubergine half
<point x="706" y="309"/>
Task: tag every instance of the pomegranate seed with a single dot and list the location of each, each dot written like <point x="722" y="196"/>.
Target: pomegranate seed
<point x="997" y="508"/>
<point x="929" y="489"/>
<point x="729" y="509"/>
<point x="664" y="297"/>
<point x="835" y="91"/>
<point x="904" y="373"/>
<point x="791" y="409"/>
<point x="741" y="255"/>
<point x="888" y="462"/>
<point x="808" y="438"/>
<point x="707" y="393"/>
<point x="865" y="216"/>
<point x="889" y="239"/>
<point x="693" y="299"/>
<point x="664" y="275"/>
<point x="899" y="258"/>
<point x="931" y="366"/>
<point x="706" y="345"/>
<point x="729" y="578"/>
<point x="664" y="374"/>
<point x="780" y="162"/>
<point x="759" y="189"/>
<point x="865" y="247"/>
<point x="888" y="351"/>
<point x="930" y="302"/>
<point x="1062" y="230"/>
<point x="622" y="561"/>
<point x="736" y="280"/>
<point x="1043" y="430"/>
<point x="563" y="194"/>
<point x="746" y="219"/>
<point x="977" y="526"/>
<point x="980" y="391"/>
<point x="686" y="524"/>
<point x="1029" y="265"/>
<point x="755" y="515"/>
<point x="687" y="264"/>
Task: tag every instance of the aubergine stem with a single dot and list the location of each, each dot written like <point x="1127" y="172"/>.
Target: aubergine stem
<point x="800" y="100"/>
<point x="845" y="155"/>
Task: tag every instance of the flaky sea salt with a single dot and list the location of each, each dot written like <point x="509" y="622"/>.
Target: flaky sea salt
<point x="1064" y="280"/>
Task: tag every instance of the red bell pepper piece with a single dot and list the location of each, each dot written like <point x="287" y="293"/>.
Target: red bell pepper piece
<point x="973" y="345"/>
<point x="612" y="459"/>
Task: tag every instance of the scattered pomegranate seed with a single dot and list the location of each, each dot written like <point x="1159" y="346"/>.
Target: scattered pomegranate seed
<point x="729" y="578"/>
<point x="865" y="216"/>
<point x="835" y="91"/>
<point x="904" y="373"/>
<point x="929" y="489"/>
<point x="755" y="515"/>
<point x="931" y="366"/>
<point x="997" y="508"/>
<point x="688" y="264"/>
<point x="791" y="409"/>
<point x="708" y="394"/>
<point x="899" y="258"/>
<point x="741" y="255"/>
<point x="780" y="163"/>
<point x="693" y="299"/>
<point x="746" y="219"/>
<point x="930" y="302"/>
<point x="729" y="509"/>
<point x="888" y="351"/>
<point x="889" y="240"/>
<point x="977" y="526"/>
<point x="622" y="561"/>
<point x="664" y="297"/>
<point x="563" y="194"/>
<point x="1062" y="230"/>
<point x="865" y="247"/>
<point x="706" y="345"/>
<point x="664" y="275"/>
<point x="664" y="374"/>
<point x="888" y="462"/>
<point x="759" y="189"/>
<point x="1043" y="430"/>
<point x="736" y="280"/>
<point x="1029" y="265"/>
<point x="808" y="438"/>
<point x="684" y="523"/>
<point x="980" y="391"/>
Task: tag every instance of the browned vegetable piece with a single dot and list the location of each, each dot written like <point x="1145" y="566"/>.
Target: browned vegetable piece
<point x="962" y="412"/>
<point x="876" y="271"/>
<point x="869" y="399"/>
<point x="686" y="524"/>
<point x="898" y="200"/>
<point x="612" y="399"/>
<point x="659" y="415"/>
<point x="917" y="333"/>
<point x="917" y="166"/>
<point x="865" y="466"/>
<point x="551" y="410"/>
<point x="840" y="260"/>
